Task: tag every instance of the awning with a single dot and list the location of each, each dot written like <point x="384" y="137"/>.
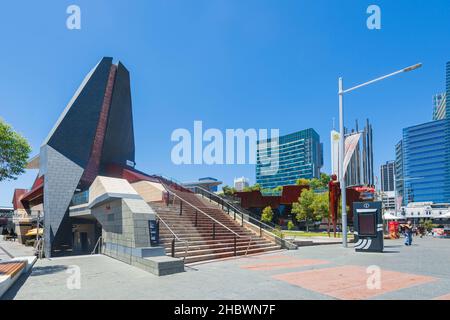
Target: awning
<point x="32" y="232"/>
<point x="390" y="216"/>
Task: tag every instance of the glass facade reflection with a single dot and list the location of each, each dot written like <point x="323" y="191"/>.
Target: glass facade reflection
<point x="300" y="155"/>
<point x="426" y="162"/>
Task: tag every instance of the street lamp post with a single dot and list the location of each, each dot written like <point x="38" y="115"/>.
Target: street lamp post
<point x="342" y="140"/>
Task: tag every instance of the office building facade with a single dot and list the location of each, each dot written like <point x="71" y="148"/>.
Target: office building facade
<point x="399" y="180"/>
<point x="387" y="174"/>
<point x="299" y="155"/>
<point x="423" y="156"/>
<point x="241" y="183"/>
<point x="447" y="85"/>
<point x="426" y="162"/>
<point x="439" y="106"/>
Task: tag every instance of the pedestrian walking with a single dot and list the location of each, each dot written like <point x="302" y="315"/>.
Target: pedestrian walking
<point x="408" y="233"/>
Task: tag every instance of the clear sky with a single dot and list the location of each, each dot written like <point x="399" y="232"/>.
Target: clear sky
<point x="230" y="63"/>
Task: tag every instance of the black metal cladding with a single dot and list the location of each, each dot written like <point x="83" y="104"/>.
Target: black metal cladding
<point x="118" y="146"/>
<point x="75" y="134"/>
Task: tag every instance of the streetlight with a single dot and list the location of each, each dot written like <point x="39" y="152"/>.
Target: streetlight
<point x="342" y="139"/>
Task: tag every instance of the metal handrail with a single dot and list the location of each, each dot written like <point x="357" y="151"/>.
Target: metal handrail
<point x="96" y="245"/>
<point x="236" y="209"/>
<point x="201" y="211"/>
<point x="175" y="237"/>
<point x="218" y="222"/>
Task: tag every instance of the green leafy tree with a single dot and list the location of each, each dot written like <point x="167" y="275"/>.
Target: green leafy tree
<point x="14" y="152"/>
<point x="427" y="225"/>
<point x="267" y="214"/>
<point x="302" y="182"/>
<point x="315" y="184"/>
<point x="303" y="209"/>
<point x="228" y="191"/>
<point x="325" y="179"/>
<point x="255" y="187"/>
<point x="320" y="206"/>
<point x="290" y="225"/>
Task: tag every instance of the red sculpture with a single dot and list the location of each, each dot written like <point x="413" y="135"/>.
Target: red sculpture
<point x="334" y="194"/>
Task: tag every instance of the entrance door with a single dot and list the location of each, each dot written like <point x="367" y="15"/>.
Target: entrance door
<point x="84" y="241"/>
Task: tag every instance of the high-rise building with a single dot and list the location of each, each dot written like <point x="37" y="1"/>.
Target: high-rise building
<point x="299" y="155"/>
<point x="387" y="176"/>
<point x="447" y="84"/>
<point x="241" y="183"/>
<point x="423" y="156"/>
<point x="439" y="106"/>
<point x="359" y="170"/>
<point x="399" y="178"/>
<point x="426" y="162"/>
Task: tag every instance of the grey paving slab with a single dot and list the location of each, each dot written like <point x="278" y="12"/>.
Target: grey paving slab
<point x="106" y="278"/>
<point x="14" y="249"/>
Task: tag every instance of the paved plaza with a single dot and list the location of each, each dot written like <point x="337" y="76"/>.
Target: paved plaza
<point x="12" y="249"/>
<point x="320" y="272"/>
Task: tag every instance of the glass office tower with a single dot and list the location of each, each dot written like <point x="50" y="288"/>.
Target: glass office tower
<point x="399" y="179"/>
<point x="426" y="162"/>
<point x="447" y="90"/>
<point x="300" y="155"/>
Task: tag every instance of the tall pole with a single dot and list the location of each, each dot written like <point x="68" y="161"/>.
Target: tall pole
<point x="369" y="142"/>
<point x="341" y="162"/>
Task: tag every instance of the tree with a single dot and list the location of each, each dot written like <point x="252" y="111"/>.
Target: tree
<point x="303" y="209"/>
<point x="303" y="182"/>
<point x="290" y="225"/>
<point x="325" y="179"/>
<point x="14" y="152"/>
<point x="427" y="225"/>
<point x="228" y="191"/>
<point x="267" y="214"/>
<point x="315" y="184"/>
<point x="278" y="189"/>
<point x="321" y="206"/>
<point x="255" y="187"/>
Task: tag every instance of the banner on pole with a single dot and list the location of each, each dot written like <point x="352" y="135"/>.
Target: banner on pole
<point x="350" y="145"/>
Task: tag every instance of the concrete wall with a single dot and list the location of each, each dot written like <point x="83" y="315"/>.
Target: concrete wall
<point x="149" y="191"/>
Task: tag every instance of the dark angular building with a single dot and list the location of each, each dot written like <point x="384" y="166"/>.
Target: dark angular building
<point x="94" y="131"/>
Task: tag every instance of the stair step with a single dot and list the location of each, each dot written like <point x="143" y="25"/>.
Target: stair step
<point x="196" y="228"/>
<point x="200" y="252"/>
<point x="214" y="256"/>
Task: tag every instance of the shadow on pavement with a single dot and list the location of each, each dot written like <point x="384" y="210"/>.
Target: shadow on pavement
<point x="35" y="271"/>
<point x="40" y="271"/>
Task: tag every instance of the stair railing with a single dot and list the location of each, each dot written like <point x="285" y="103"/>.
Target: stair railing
<point x="236" y="235"/>
<point x="97" y="245"/>
<point x="174" y="239"/>
<point x="234" y="211"/>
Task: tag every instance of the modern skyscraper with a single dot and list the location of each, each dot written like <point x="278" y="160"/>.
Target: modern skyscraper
<point x="300" y="155"/>
<point x="399" y="178"/>
<point x="439" y="106"/>
<point x="360" y="167"/>
<point x="423" y="156"/>
<point x="426" y="162"/>
<point x="387" y="176"/>
<point x="447" y="83"/>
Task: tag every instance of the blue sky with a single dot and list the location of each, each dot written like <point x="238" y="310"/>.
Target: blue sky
<point x="230" y="63"/>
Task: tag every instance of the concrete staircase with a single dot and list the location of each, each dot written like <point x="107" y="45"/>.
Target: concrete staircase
<point x="207" y="239"/>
